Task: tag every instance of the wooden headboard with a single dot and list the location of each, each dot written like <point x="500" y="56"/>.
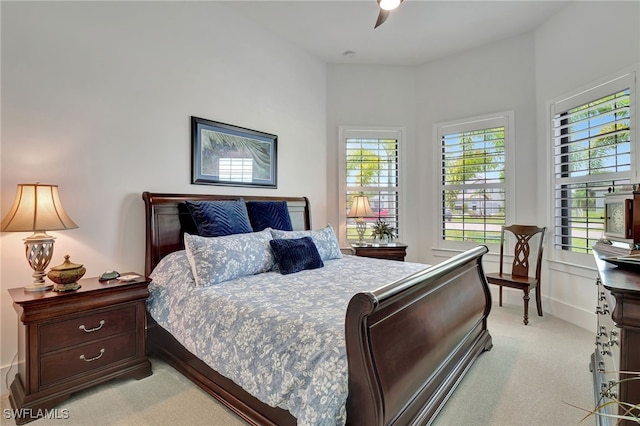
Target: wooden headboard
<point x="167" y="219"/>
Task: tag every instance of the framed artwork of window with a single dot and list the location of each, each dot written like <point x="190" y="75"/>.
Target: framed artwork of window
<point x="223" y="154"/>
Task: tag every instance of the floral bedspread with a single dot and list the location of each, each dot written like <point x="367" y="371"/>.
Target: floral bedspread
<point x="280" y="337"/>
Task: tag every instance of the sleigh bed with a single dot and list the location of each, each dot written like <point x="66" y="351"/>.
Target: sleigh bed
<point x="408" y="342"/>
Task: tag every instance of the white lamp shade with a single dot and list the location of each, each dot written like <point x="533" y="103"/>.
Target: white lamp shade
<point x="37" y="207"/>
<point x="360" y="207"/>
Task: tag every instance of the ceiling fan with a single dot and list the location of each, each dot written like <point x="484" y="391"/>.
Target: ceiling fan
<point x="386" y="6"/>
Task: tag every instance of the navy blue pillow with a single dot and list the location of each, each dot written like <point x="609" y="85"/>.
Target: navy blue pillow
<point x="269" y="214"/>
<point x="219" y="218"/>
<point x="294" y="255"/>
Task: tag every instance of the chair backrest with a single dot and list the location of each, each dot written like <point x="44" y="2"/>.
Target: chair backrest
<point x="522" y="250"/>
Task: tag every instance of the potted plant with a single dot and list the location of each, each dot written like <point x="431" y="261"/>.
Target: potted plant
<point x="382" y="231"/>
<point x="610" y="407"/>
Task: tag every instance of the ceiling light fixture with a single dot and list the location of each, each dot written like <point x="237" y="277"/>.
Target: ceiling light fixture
<point x="388" y="4"/>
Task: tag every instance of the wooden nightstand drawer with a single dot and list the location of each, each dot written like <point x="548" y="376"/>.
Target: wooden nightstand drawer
<point x="398" y="251"/>
<point x="81" y="359"/>
<point x="83" y="329"/>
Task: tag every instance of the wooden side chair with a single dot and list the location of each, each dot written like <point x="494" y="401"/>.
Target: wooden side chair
<point x="519" y="276"/>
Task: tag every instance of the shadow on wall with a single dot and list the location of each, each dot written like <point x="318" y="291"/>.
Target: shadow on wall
<point x="131" y="234"/>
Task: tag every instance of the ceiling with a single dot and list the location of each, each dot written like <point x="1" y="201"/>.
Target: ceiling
<point x="418" y="31"/>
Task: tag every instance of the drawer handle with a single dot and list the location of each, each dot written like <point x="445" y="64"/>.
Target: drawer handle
<point x="94" y="358"/>
<point x="91" y="330"/>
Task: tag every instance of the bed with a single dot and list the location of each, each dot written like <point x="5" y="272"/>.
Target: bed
<point x="408" y="342"/>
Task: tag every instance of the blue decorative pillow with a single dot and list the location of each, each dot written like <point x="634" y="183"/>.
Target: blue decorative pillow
<point x="269" y="214"/>
<point x="220" y="217"/>
<point x="294" y="255"/>
<point x="214" y="260"/>
<point x="324" y="239"/>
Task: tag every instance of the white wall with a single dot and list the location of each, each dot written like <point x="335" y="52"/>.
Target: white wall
<point x="583" y="43"/>
<point x="97" y="97"/>
<point x="495" y="78"/>
<point x="375" y="96"/>
<point x="492" y="79"/>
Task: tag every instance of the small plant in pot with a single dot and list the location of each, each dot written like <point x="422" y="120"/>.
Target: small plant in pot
<point x="382" y="231"/>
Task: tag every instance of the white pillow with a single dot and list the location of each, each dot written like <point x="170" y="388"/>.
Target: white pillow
<point x="217" y="259"/>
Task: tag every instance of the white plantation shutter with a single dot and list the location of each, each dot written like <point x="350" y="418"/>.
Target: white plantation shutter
<point x="473" y="187"/>
<point x="370" y="165"/>
<point x="591" y="153"/>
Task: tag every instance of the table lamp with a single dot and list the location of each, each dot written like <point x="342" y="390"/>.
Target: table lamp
<point x="360" y="209"/>
<point x="37" y="208"/>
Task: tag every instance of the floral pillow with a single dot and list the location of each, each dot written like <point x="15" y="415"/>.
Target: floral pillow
<point x="218" y="259"/>
<point x="324" y="239"/>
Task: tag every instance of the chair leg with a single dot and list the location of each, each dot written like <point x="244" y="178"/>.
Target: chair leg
<point x="538" y="300"/>
<point x="500" y="295"/>
<point x="526" y="306"/>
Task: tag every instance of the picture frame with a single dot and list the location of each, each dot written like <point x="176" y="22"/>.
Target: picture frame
<point x="224" y="154"/>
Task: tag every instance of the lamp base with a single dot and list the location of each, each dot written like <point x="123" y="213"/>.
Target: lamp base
<point x="39" y="250"/>
<point x="66" y="287"/>
<point x="33" y="288"/>
<point x="361" y="228"/>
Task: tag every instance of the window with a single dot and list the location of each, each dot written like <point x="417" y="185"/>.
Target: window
<point x="370" y="166"/>
<point x="591" y="152"/>
<point x="473" y="189"/>
<point x="235" y="169"/>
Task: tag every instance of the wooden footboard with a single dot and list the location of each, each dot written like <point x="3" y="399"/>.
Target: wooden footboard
<point x="410" y="343"/>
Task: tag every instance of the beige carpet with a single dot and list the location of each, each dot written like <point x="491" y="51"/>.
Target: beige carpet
<point x="530" y="377"/>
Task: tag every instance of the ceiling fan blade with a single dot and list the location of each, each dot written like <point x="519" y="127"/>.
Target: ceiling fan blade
<point x="382" y="16"/>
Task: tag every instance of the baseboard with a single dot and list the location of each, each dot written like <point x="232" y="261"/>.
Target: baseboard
<point x="571" y="314"/>
<point x="7" y="372"/>
<point x="562" y="310"/>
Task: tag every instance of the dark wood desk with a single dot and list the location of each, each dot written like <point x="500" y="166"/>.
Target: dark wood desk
<point x="617" y="338"/>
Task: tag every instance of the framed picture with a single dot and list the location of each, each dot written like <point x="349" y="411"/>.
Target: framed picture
<point x="222" y="154"/>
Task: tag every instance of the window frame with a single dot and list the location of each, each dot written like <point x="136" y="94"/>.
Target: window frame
<point x="613" y="83"/>
<point x="499" y="119"/>
<point x="373" y="132"/>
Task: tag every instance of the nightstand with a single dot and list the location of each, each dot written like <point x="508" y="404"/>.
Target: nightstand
<point x="397" y="251"/>
<point x="71" y="341"/>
